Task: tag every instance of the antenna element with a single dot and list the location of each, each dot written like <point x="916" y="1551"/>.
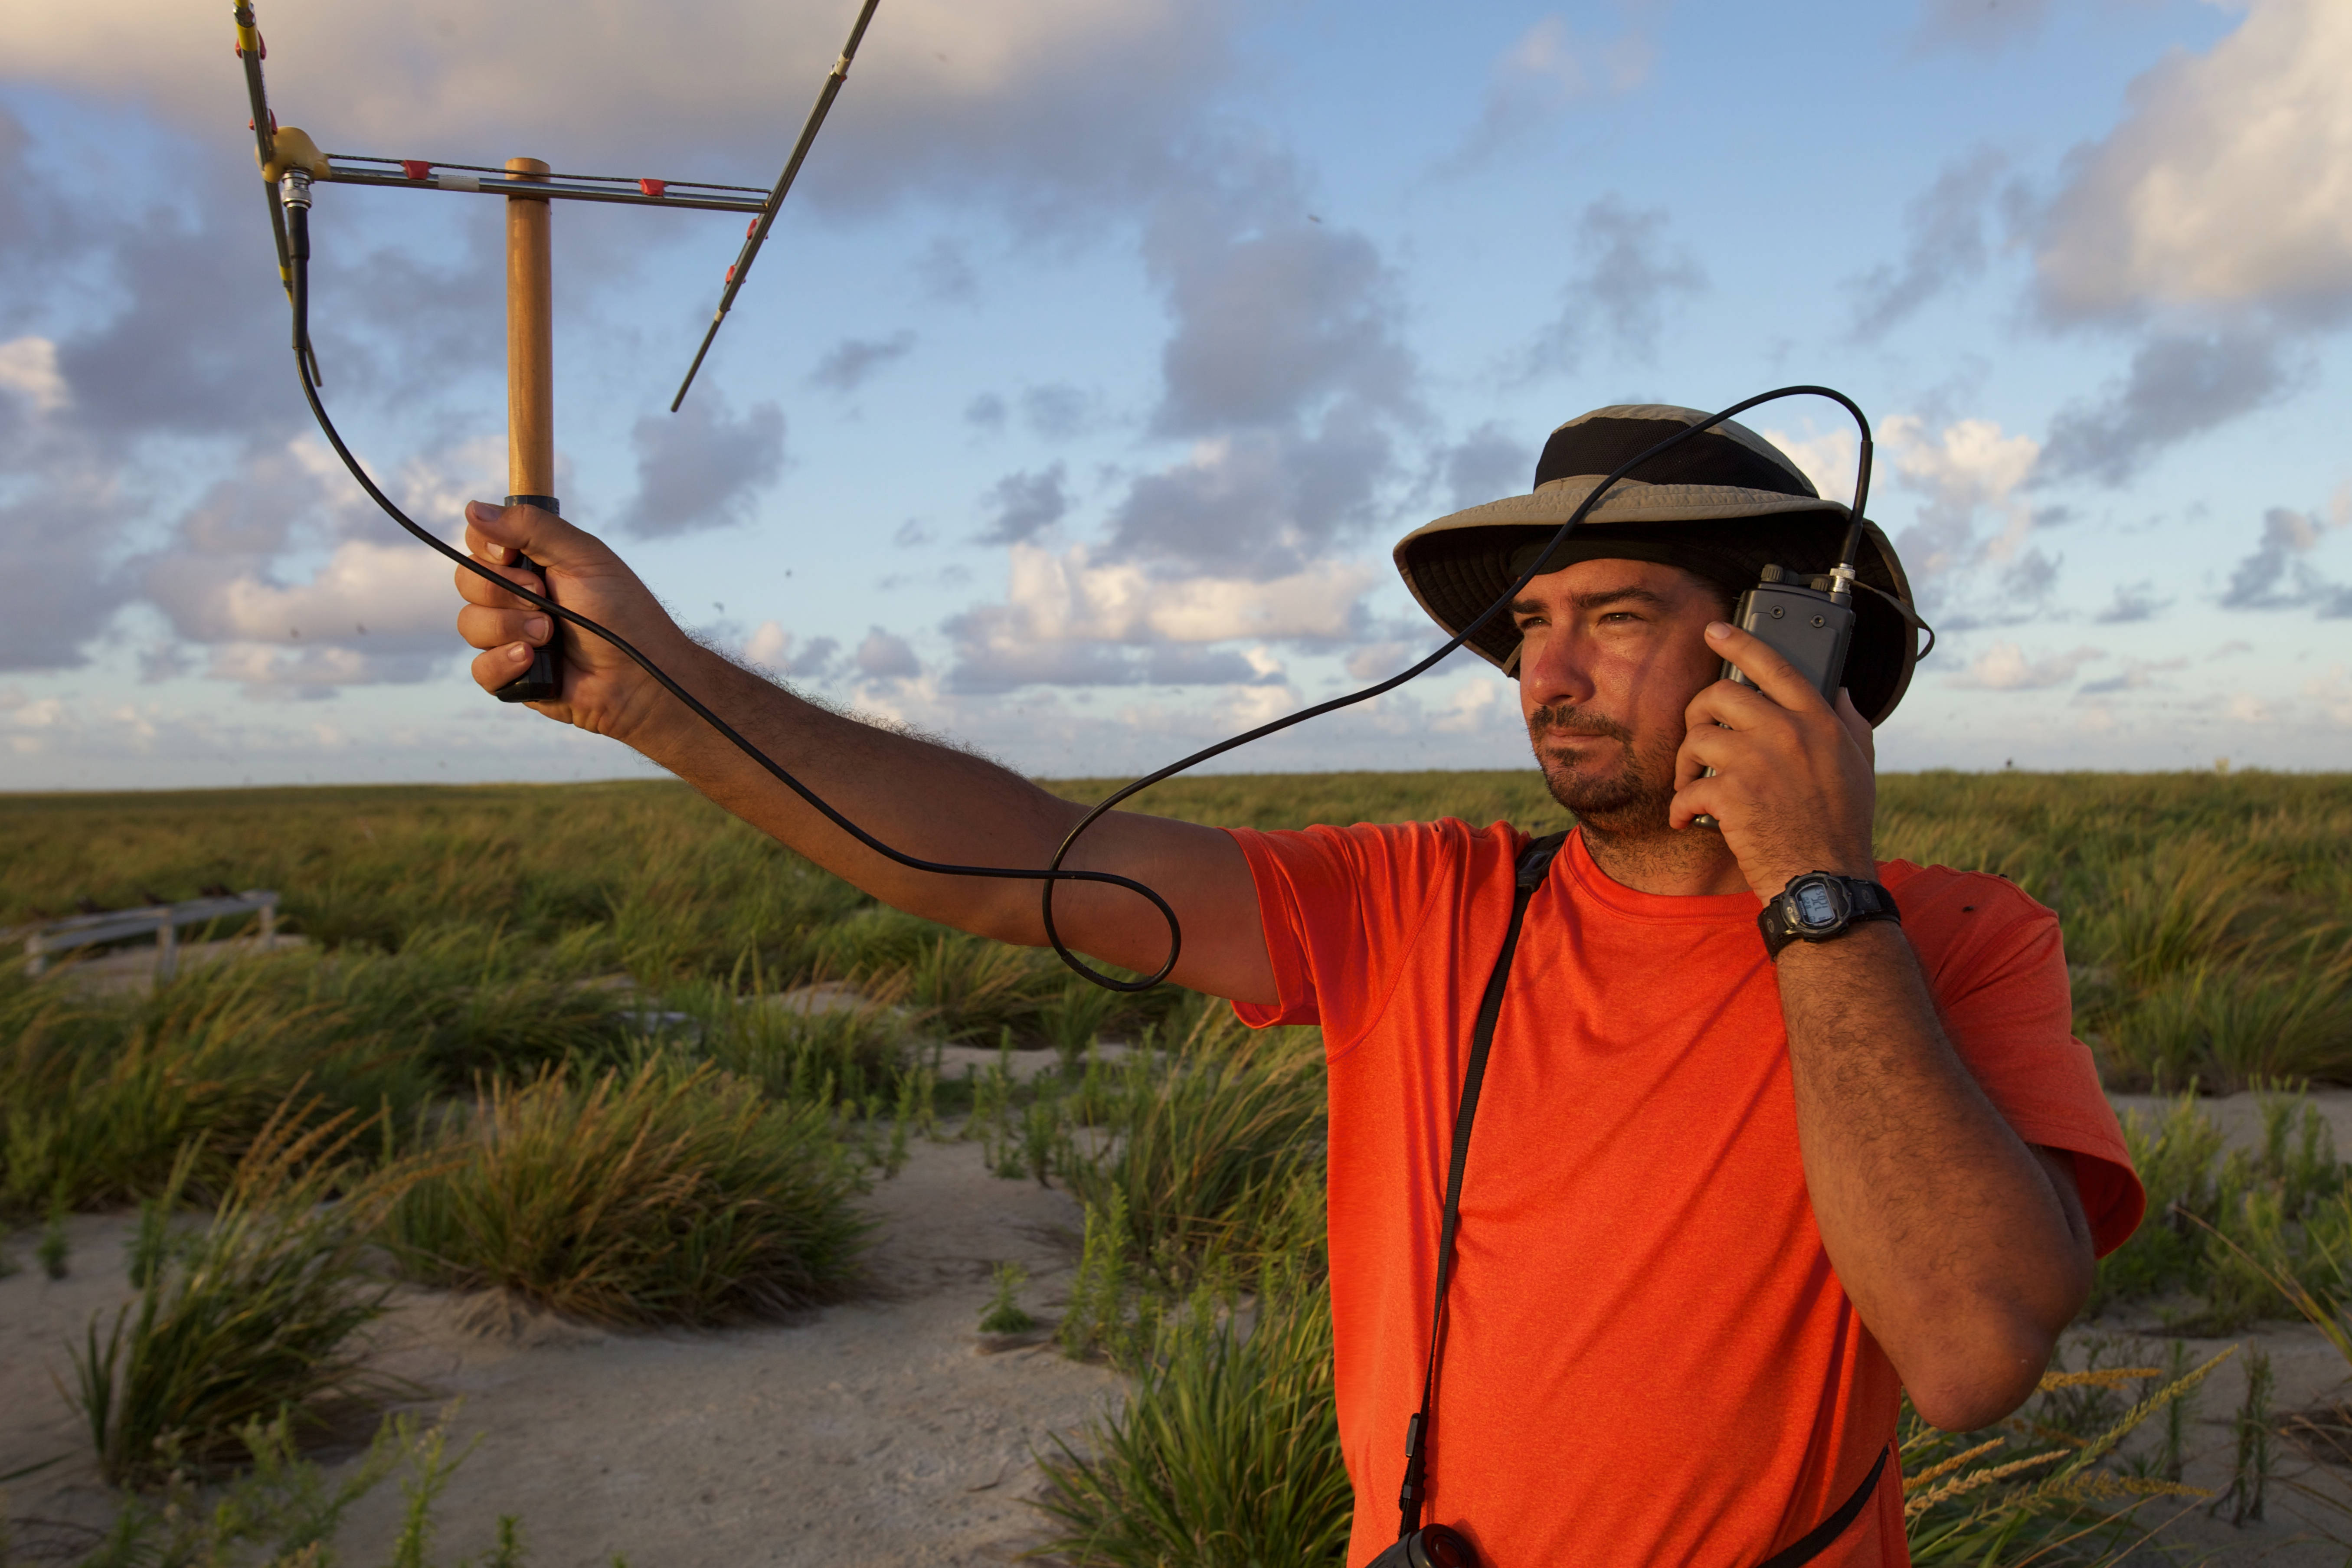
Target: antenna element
<point x="767" y="219"/>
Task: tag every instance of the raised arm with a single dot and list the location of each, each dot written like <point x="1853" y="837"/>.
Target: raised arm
<point x="925" y="799"/>
<point x="1964" y="1249"/>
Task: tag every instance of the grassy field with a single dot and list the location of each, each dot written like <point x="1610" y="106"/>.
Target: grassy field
<point x="2209" y="918"/>
<point x="533" y="1041"/>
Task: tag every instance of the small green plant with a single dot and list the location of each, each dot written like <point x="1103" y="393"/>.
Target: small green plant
<point x="2249" y="1473"/>
<point x="902" y="1115"/>
<point x="2221" y="1226"/>
<point x="1041" y="1136"/>
<point x="1076" y="1018"/>
<point x="1003" y="1314"/>
<point x="2179" y="1410"/>
<point x="280" y="1509"/>
<point x="152" y="1245"/>
<point x="1096" y="1316"/>
<point x="966" y="988"/>
<point x="927" y="1090"/>
<point x="55" y="1248"/>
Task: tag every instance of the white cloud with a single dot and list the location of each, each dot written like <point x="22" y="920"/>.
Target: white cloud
<point x="938" y="84"/>
<point x="2004" y="667"/>
<point x="1067" y="620"/>
<point x="2333" y="692"/>
<point x="1968" y="469"/>
<point x="768" y="644"/>
<point x="1553" y="60"/>
<point x="2230" y="182"/>
<point x="885" y="656"/>
<point x="28" y="369"/>
<point x="1474" y="706"/>
<point x="2248" y="708"/>
<point x="1547" y="69"/>
<point x="1828" y="459"/>
<point x="1065" y="597"/>
<point x="385" y="588"/>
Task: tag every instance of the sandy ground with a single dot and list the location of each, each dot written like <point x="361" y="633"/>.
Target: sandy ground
<point x="882" y="1431"/>
<point x="879" y="1431"/>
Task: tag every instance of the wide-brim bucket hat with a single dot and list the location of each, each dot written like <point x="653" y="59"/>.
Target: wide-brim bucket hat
<point x="1725" y="505"/>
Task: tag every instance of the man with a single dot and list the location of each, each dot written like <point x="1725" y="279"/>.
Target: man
<point x="1720" y="1205"/>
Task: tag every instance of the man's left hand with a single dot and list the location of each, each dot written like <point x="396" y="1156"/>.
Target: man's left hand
<point x="1794" y="789"/>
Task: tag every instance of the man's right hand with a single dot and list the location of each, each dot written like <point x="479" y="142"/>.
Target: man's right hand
<point x="602" y="689"/>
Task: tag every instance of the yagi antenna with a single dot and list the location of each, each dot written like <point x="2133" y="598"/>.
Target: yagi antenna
<point x="757" y="236"/>
<point x="292" y="165"/>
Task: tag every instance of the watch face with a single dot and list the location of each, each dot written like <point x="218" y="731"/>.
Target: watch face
<point x="1816" y="910"/>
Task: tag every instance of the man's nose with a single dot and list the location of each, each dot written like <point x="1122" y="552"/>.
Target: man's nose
<point x="1554" y="670"/>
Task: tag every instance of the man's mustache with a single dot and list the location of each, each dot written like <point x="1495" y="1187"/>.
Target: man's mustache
<point x="1569" y="721"/>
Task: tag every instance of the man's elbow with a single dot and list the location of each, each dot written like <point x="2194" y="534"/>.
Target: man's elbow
<point x="1971" y="1397"/>
<point x="1981" y="1373"/>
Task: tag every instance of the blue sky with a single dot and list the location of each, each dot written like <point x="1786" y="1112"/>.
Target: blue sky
<point x="1108" y="345"/>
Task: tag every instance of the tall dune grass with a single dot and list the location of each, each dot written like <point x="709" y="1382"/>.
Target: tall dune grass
<point x="257" y="1317"/>
<point x="1215" y="1152"/>
<point x="1225" y="1453"/>
<point x="664" y="1195"/>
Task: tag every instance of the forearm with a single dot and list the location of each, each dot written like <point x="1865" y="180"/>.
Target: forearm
<point x="1945" y="1228"/>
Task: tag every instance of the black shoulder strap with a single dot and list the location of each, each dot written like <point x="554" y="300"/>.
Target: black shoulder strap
<point x="1535" y="861"/>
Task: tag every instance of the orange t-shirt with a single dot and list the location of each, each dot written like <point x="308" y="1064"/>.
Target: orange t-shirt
<point x="1650" y="1360"/>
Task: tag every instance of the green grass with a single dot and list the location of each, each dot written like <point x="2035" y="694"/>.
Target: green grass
<point x="2208" y="915"/>
<point x="258" y="1316"/>
<point x="1225" y="1454"/>
<point x="667" y="1194"/>
<point x="1215" y="1152"/>
<point x="284" y="1512"/>
<point x="491" y="966"/>
<point x="2209" y="1215"/>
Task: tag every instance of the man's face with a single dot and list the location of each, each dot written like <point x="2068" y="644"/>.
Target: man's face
<point x="1611" y="654"/>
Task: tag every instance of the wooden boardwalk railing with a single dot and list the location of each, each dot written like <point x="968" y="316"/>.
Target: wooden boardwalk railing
<point x="164" y="920"/>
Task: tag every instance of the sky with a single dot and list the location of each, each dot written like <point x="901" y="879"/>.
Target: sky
<point x="1106" y="348"/>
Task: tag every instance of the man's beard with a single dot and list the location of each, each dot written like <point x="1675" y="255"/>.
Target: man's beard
<point x="1627" y="798"/>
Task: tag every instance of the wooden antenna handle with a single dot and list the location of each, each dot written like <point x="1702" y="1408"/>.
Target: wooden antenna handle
<point x="531" y="397"/>
<point x="531" y="339"/>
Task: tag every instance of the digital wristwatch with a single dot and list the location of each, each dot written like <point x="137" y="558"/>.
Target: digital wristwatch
<point x="1821" y="907"/>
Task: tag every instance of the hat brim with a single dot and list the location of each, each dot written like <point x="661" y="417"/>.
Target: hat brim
<point x="1459" y="565"/>
<point x="1628" y="500"/>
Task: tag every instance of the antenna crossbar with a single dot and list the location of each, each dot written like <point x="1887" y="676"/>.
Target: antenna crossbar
<point x="445" y="177"/>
